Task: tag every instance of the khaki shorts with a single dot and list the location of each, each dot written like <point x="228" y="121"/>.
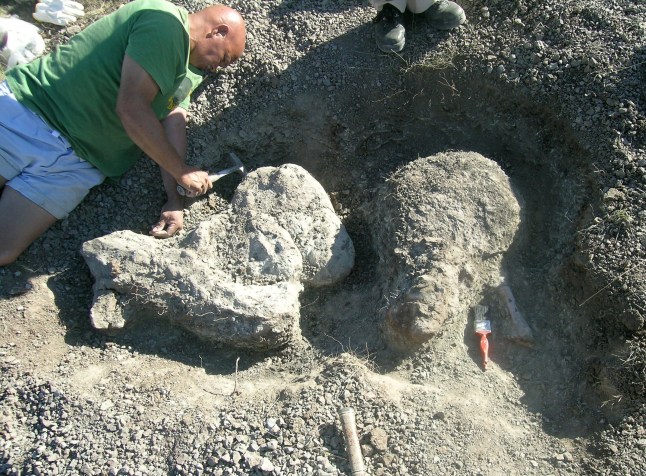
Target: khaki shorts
<point x="38" y="162"/>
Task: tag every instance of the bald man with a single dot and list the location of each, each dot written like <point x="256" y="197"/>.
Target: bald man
<point x="390" y="33"/>
<point x="86" y="111"/>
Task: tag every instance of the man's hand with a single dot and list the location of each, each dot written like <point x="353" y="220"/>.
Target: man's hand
<point x="195" y="181"/>
<point x="170" y="222"/>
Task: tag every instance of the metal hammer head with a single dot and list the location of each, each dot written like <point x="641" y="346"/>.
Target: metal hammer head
<point x="236" y="167"/>
<point x="236" y="164"/>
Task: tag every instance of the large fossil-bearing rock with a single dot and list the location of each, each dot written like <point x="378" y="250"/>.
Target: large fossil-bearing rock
<point x="237" y="277"/>
<point x="444" y="223"/>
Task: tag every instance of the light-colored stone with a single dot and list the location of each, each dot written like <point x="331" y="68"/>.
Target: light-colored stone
<point x="237" y="277"/>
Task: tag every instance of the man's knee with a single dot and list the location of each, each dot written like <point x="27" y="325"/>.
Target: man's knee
<point x="8" y="256"/>
<point x="24" y="221"/>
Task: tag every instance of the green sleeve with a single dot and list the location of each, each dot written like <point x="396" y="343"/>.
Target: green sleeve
<point x="195" y="78"/>
<point x="152" y="43"/>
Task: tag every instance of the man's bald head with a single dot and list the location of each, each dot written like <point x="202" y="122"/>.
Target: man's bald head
<point x="218" y="36"/>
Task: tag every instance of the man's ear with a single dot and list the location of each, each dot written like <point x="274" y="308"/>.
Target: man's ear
<point x="220" y="30"/>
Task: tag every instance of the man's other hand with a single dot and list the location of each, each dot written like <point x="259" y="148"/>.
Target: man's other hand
<point x="170" y="222"/>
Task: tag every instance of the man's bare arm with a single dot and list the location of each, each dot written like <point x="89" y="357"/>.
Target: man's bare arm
<point x="175" y="128"/>
<point x="171" y="219"/>
<point x="136" y="94"/>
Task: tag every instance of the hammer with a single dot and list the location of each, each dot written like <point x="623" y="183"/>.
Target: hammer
<point x="236" y="167"/>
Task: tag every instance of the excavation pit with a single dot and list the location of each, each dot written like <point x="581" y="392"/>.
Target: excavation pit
<point x="448" y="190"/>
<point x="549" y="171"/>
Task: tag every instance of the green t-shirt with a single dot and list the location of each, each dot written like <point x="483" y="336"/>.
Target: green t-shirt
<point x="75" y="87"/>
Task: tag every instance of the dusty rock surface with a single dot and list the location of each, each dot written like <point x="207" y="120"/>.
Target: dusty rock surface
<point x="551" y="91"/>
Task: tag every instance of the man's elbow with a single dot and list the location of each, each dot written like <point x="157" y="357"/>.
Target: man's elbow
<point x="131" y="110"/>
<point x="124" y="111"/>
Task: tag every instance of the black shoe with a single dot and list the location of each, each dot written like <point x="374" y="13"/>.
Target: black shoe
<point x="390" y="33"/>
<point x="445" y="15"/>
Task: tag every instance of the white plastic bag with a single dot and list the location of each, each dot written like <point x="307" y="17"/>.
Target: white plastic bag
<point x="23" y="41"/>
<point x="58" y="12"/>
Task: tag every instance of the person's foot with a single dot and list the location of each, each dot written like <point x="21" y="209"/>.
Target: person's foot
<point x="389" y="29"/>
<point x="445" y="15"/>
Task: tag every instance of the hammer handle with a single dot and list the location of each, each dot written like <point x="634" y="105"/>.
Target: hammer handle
<point x="213" y="178"/>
